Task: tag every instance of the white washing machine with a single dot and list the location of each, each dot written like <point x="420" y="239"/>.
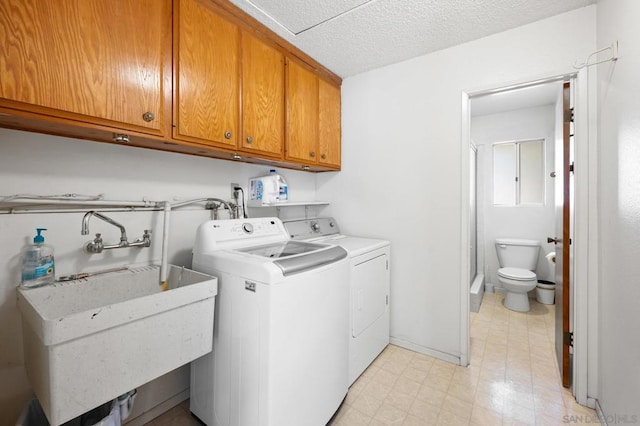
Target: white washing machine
<point x="280" y="342"/>
<point x="369" y="284"/>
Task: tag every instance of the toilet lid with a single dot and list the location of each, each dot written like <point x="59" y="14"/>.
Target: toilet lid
<point x="517" y="274"/>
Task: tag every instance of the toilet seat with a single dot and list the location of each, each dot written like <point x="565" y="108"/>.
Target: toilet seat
<point x="516" y="274"/>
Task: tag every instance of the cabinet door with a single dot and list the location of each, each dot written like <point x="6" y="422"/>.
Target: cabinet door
<point x="302" y="114"/>
<point x="206" y="76"/>
<point x="262" y="97"/>
<point x="329" y="137"/>
<point x="100" y="59"/>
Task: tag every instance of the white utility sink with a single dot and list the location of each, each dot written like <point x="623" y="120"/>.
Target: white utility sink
<point x="90" y="340"/>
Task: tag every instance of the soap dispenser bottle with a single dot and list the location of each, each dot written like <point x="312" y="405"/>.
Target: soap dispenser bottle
<point x="38" y="266"/>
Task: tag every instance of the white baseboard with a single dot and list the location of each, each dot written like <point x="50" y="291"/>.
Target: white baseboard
<point x="426" y="351"/>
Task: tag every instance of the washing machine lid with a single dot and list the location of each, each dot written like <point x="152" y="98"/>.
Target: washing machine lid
<point x="297" y="256"/>
<point x="517" y="274"/>
<point x="282" y="249"/>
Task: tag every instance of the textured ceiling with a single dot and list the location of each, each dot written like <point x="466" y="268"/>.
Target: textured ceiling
<point x="352" y="36"/>
<point x="302" y="15"/>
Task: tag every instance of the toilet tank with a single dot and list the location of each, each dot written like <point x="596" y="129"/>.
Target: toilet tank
<point x="516" y="253"/>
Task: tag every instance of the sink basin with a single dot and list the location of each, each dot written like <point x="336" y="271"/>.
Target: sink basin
<point x="90" y="340"/>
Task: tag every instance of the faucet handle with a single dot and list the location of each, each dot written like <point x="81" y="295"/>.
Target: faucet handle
<point x="94" y="246"/>
<point x="97" y="243"/>
<point x="146" y="238"/>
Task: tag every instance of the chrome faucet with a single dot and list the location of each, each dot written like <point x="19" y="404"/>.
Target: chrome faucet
<point x="97" y="246"/>
<point x="87" y="216"/>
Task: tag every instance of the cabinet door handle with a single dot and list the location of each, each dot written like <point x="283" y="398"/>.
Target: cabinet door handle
<point x="227" y="135"/>
<point x="323" y="156"/>
<point x="312" y="154"/>
<point x="148" y="116"/>
<point x="120" y="137"/>
<point x="249" y="139"/>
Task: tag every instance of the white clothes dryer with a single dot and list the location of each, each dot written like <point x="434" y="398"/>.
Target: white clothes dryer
<point x="280" y="342"/>
<point x="369" y="287"/>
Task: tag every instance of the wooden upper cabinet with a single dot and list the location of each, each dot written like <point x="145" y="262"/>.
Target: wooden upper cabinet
<point x="193" y="76"/>
<point x="206" y="76"/>
<point x="302" y="114"/>
<point x="104" y="62"/>
<point x="262" y="97"/>
<point x="329" y="127"/>
<point x="313" y="118"/>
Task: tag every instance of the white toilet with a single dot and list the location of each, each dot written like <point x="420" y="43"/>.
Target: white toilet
<point x="518" y="259"/>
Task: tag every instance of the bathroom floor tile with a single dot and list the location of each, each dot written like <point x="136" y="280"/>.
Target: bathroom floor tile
<point x="512" y="379"/>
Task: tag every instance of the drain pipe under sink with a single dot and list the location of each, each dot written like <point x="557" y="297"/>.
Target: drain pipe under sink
<point x="165" y="247"/>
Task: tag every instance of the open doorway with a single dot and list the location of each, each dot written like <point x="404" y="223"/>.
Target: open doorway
<point x="515" y="136"/>
<point x="584" y="242"/>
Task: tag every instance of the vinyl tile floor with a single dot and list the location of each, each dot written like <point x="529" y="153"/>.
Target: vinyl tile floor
<point x="512" y="379"/>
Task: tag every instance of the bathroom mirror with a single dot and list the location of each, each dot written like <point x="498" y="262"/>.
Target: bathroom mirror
<point x="518" y="172"/>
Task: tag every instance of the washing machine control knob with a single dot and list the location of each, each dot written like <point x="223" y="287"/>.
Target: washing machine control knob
<point x="247" y="227"/>
<point x="315" y="226"/>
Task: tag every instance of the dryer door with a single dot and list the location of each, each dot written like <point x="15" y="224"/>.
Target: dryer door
<point x="369" y="292"/>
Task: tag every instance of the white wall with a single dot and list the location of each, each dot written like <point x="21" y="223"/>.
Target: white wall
<point x="619" y="196"/>
<point x="401" y="177"/>
<point x="40" y="164"/>
<point x="534" y="222"/>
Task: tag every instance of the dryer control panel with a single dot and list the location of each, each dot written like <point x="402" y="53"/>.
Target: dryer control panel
<point x="310" y="228"/>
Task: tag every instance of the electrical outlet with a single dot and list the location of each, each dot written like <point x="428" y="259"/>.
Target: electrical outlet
<point x="233" y="186"/>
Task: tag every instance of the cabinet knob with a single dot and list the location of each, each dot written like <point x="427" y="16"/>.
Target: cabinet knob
<point x="312" y="154"/>
<point x="249" y="139"/>
<point x="323" y="156"/>
<point x="148" y="116"/>
<point x="227" y="135"/>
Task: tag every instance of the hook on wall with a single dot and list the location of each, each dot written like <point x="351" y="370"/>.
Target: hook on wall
<point x="613" y="57"/>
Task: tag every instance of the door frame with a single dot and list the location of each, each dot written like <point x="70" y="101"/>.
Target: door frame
<point x="585" y="266"/>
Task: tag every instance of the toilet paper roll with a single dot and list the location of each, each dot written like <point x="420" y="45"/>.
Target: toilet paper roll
<point x="551" y="257"/>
